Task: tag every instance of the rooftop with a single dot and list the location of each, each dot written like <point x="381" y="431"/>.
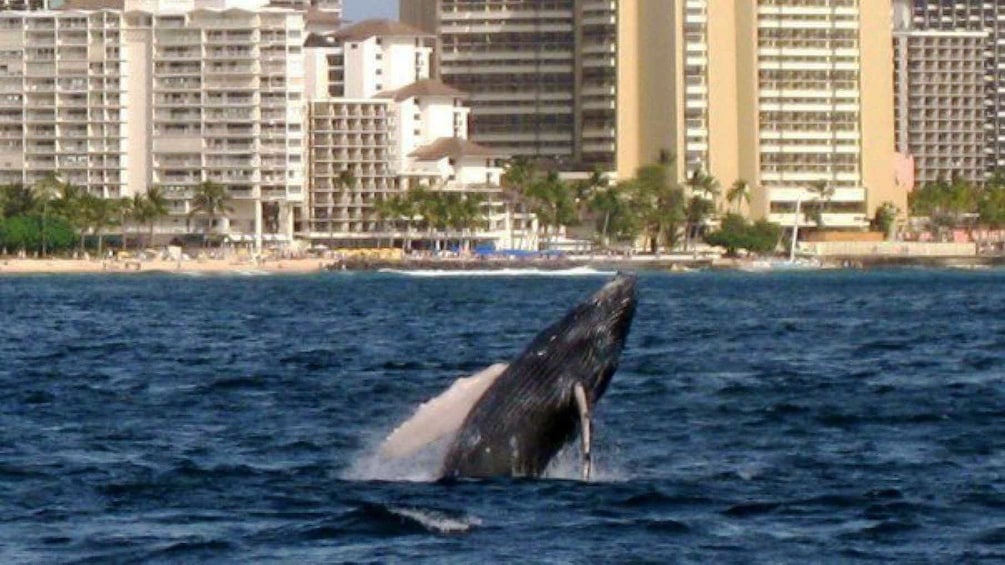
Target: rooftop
<point x="373" y="28"/>
<point x="453" y="147"/>
<point x="426" y="87"/>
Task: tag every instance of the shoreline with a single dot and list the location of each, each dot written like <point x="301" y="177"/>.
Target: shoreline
<point x="111" y="266"/>
<point x="317" y="265"/>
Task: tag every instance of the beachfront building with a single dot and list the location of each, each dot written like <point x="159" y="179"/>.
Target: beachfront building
<point x="380" y="125"/>
<point x="774" y="93"/>
<point x="63" y="100"/>
<point x="116" y="98"/>
<point x="768" y="91"/>
<point x="981" y="16"/>
<point x="226" y="89"/>
<point x="331" y="7"/>
<point x="940" y="103"/>
<point x="542" y="75"/>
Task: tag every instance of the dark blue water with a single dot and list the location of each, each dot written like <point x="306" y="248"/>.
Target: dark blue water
<point x="800" y="417"/>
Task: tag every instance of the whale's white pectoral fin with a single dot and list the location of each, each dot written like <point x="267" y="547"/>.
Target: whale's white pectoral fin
<point x="440" y="416"/>
<point x="585" y="428"/>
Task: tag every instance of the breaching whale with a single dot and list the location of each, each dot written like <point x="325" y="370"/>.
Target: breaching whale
<point x="512" y="420"/>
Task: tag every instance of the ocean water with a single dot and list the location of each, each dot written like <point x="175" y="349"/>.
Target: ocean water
<point x="801" y="417"/>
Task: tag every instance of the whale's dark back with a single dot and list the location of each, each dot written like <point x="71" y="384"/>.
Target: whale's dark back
<point x="530" y="412"/>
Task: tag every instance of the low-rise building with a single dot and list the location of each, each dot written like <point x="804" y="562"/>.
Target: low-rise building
<point x="379" y="126"/>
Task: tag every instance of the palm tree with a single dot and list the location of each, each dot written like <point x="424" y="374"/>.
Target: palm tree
<point x="67" y="200"/>
<point x="16" y="200"/>
<point x="126" y="214"/>
<point x="698" y="210"/>
<point x="519" y="175"/>
<point x="608" y="202"/>
<point x="701" y="182"/>
<point x="552" y="203"/>
<point x="656" y="203"/>
<point x="210" y="199"/>
<point x="464" y="214"/>
<point x="156" y="209"/>
<point x="587" y="189"/>
<point x="738" y="194"/>
<point x="99" y="214"/>
<point x="139" y="209"/>
<point x="822" y="192"/>
<point x="46" y="190"/>
<point x="343" y="181"/>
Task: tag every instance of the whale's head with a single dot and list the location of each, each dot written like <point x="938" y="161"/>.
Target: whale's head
<point x="588" y="341"/>
<point x="609" y="314"/>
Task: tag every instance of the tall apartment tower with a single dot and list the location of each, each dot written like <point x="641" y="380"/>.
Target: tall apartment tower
<point x="974" y="16"/>
<point x="224" y="98"/>
<point x="542" y="75"/>
<point x="116" y="97"/>
<point x="783" y="94"/>
<point x="940" y="102"/>
<point x="63" y="101"/>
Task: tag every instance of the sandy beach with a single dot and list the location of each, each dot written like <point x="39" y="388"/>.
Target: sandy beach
<point x="205" y="266"/>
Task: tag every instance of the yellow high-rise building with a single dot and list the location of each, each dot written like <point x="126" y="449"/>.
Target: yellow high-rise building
<point x="786" y="95"/>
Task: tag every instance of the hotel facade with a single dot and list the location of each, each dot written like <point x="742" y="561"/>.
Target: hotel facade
<point x="783" y="94"/>
<point x="980" y="16"/>
<point x="118" y="99"/>
<point x="940" y="103"/>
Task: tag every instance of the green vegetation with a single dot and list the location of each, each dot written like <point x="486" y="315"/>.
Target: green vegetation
<point x="958" y="204"/>
<point x="738" y="233"/>
<point x="885" y="218"/>
<point x="56" y="217"/>
<point x="210" y="200"/>
<point x="650" y="206"/>
<point x="433" y="212"/>
<point x="29" y="234"/>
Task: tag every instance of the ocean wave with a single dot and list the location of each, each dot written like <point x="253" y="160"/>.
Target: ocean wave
<point x="507" y="272"/>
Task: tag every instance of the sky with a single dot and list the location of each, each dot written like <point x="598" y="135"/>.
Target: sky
<point x="356" y="10"/>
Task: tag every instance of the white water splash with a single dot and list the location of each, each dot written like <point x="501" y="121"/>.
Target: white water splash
<point x="567" y="465"/>
<point x="437" y="522"/>
<point x="426" y="465"/>
<point x="421" y="467"/>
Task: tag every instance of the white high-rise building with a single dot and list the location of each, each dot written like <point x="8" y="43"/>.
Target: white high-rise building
<point x="117" y="98"/>
<point x="226" y="101"/>
<point x="63" y="101"/>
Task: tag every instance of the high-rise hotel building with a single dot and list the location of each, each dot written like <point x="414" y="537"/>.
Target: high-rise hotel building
<point x="117" y="97"/>
<point x="987" y="17"/>
<point x="541" y="74"/>
<point x="783" y="94"/>
<point x="940" y="101"/>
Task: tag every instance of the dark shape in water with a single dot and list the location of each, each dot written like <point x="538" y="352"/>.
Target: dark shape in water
<point x="536" y="405"/>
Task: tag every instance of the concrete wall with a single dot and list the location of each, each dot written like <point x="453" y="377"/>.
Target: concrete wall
<point x="877" y="107"/>
<point x="139" y="150"/>
<point x="889" y="249"/>
<point x="649" y="81"/>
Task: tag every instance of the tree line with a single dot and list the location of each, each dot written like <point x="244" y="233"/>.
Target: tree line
<point x="53" y="216"/>
<point x="433" y="212"/>
<point x="651" y="206"/>
<point x="960" y="204"/>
